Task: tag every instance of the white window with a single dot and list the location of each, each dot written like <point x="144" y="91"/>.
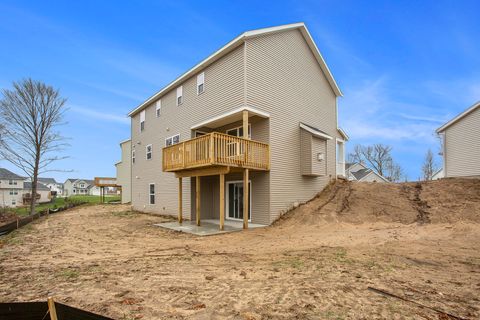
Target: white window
<point x="82" y="185"/>
<point x="179" y="95"/>
<point x="142" y="120"/>
<point x="238" y="131"/>
<point x="172" y="140"/>
<point x="158" y="108"/>
<point x="133" y="154"/>
<point x="12" y="182"/>
<point x="14" y="202"/>
<point x="151" y="193"/>
<point x="149" y="151"/>
<point x="13" y="192"/>
<point x="201" y="83"/>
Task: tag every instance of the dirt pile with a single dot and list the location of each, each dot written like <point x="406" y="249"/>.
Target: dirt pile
<point x="442" y="201"/>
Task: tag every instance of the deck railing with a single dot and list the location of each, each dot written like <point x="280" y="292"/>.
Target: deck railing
<point x="216" y="149"/>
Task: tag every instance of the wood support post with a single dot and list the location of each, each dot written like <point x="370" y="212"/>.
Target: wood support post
<point x="245" y="124"/>
<point x="51" y="309"/>
<point x="180" y="209"/>
<point x="245" y="199"/>
<point x="197" y="199"/>
<point x="222" y="201"/>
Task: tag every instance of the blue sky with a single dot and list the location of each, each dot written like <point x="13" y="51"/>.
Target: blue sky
<point x="404" y="67"/>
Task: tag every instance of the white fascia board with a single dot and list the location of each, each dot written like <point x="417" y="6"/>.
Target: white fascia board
<point x="343" y="133"/>
<point x="315" y="132"/>
<point x="251" y="110"/>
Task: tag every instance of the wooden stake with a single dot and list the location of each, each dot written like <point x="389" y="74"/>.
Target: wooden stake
<point x="51" y="309"/>
<point x="197" y="199"/>
<point x="222" y="201"/>
<point x="245" y="199"/>
<point x="180" y="218"/>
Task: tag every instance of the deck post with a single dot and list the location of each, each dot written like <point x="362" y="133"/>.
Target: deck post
<point x="51" y="309"/>
<point x="197" y="199"/>
<point x="222" y="200"/>
<point x="245" y="199"/>
<point x="245" y="124"/>
<point x="180" y="218"/>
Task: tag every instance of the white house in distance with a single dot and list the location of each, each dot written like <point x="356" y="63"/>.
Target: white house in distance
<point x="75" y="187"/>
<point x="14" y="190"/>
<point x="359" y="172"/>
<point x="54" y="186"/>
<point x="461" y="144"/>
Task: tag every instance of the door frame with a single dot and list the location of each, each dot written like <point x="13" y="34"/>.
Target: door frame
<point x="227" y="199"/>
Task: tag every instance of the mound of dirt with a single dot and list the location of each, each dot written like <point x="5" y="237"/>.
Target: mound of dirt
<point x="441" y="201"/>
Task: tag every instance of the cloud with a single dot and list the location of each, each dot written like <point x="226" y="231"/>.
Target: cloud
<point x="423" y="118"/>
<point x="100" y="115"/>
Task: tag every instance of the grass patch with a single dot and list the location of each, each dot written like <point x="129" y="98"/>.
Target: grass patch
<point x="294" y="262"/>
<point x="341" y="256"/>
<point x="68" y="274"/>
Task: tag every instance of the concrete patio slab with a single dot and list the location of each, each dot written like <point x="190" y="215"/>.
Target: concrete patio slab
<point x="207" y="228"/>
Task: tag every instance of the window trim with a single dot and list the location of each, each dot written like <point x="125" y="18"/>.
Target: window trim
<point x="200" y="82"/>
<point x="150" y="194"/>
<point x="142" y="122"/>
<point x="146" y="151"/>
<point x="171" y="137"/>
<point x="179" y="95"/>
<point x="236" y="128"/>
<point x="158" y="108"/>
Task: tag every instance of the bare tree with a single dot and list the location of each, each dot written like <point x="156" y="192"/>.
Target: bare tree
<point x="429" y="166"/>
<point x="29" y="115"/>
<point x="379" y="158"/>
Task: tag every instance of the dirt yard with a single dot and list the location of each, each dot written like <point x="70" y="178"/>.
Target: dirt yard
<point x="418" y="241"/>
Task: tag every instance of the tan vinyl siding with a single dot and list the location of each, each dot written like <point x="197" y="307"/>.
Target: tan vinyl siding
<point x="319" y="167"/>
<point x="224" y="91"/>
<point x="285" y="80"/>
<point x="305" y="153"/>
<point x="462" y="147"/>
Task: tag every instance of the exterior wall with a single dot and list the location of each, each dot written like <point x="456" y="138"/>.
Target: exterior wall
<point x="6" y="198"/>
<point x="70" y="186"/>
<point x="124" y="171"/>
<point x="285" y="80"/>
<point x="319" y="146"/>
<point x="305" y="153"/>
<point x="44" y="196"/>
<point x="462" y="147"/>
<point x="223" y="92"/>
<point x="94" y="191"/>
<point x="372" y="177"/>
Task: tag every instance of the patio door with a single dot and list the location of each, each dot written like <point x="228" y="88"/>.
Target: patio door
<point x="235" y="200"/>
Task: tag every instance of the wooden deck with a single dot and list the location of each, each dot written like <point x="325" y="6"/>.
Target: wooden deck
<point x="216" y="149"/>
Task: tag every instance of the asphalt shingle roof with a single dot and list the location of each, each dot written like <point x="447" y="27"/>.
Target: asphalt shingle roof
<point x="8" y="175"/>
<point x="40" y="186"/>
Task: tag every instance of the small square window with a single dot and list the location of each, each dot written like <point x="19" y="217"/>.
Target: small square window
<point x="149" y="152"/>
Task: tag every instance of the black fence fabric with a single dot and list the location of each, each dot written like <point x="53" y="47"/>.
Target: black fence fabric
<point x="39" y="311"/>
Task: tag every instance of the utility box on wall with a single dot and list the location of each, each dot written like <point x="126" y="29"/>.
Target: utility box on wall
<point x="313" y="153"/>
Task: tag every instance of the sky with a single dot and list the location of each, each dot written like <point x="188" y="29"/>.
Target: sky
<point x="405" y="67"/>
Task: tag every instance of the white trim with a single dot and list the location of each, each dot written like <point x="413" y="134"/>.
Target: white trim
<point x="227" y="211"/>
<point x="171" y="137"/>
<point x="236" y="42"/>
<point x="460" y="116"/>
<point x="198" y="131"/>
<point x="377" y="174"/>
<point x="152" y="194"/>
<point x="251" y="110"/>
<point x="236" y="128"/>
<point x="124" y="141"/>
<point x="343" y="133"/>
<point x="315" y="132"/>
<point x="146" y="151"/>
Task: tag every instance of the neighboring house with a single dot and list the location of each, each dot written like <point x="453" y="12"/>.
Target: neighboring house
<point x="54" y="186"/>
<point x="124" y="171"/>
<point x="359" y="172"/>
<point x="461" y="144"/>
<point x="248" y="133"/>
<point x="43" y="193"/>
<point x="73" y="187"/>
<point x="11" y="189"/>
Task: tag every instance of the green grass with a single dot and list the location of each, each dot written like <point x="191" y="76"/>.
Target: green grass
<point x="60" y="202"/>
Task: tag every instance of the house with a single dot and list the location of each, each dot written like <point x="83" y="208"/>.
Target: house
<point x="55" y="187"/>
<point x="245" y="135"/>
<point x="461" y="144"/>
<point x="439" y="174"/>
<point x="124" y="170"/>
<point x="43" y="193"/>
<point x="15" y="191"/>
<point x="11" y="188"/>
<point x="73" y="187"/>
<point x="359" y="172"/>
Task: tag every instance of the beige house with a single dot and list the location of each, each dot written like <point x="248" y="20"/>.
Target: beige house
<point x="248" y="133"/>
<point x="356" y="171"/>
<point x="124" y="171"/>
<point x="15" y="190"/>
<point x="461" y="144"/>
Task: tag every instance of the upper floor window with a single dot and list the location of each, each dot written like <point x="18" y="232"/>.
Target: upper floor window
<point x="172" y="140"/>
<point x="12" y="182"/>
<point x="158" y="108"/>
<point x="179" y="95"/>
<point x="151" y="193"/>
<point x="201" y="83"/>
<point x="142" y="120"/>
<point x="149" y="151"/>
<point x="82" y="185"/>
<point x="238" y="132"/>
<point x="133" y="154"/>
<point x="13" y="192"/>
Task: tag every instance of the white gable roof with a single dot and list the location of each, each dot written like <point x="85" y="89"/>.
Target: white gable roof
<point x="232" y="45"/>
